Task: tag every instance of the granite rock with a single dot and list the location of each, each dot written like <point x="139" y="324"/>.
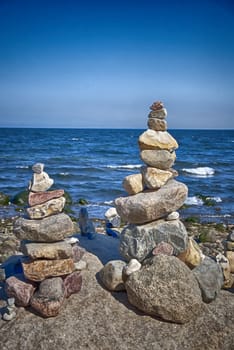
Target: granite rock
<point x="163" y="248"/>
<point x="35" y="198"/>
<point x="47" y="301"/>
<point x="166" y="288"/>
<point x="38" y="270"/>
<point x="111" y="275"/>
<point x="51" y="229"/>
<point x="149" y="206"/>
<point x="138" y="241"/>
<point x="20" y="290"/>
<point x="157" y="124"/>
<point x="210" y="279"/>
<point x="133" y="184"/>
<point x="193" y="255"/>
<point x="51" y="207"/>
<point x="154" y="178"/>
<point x="57" y="250"/>
<point x="77" y="252"/>
<point x="157" y="140"/>
<point x="161" y="159"/>
<point x="72" y="283"/>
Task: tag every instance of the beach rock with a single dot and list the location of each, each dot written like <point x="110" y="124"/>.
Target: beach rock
<point x="57" y="250"/>
<point x="157" y="105"/>
<point x="21" y="198"/>
<point x="40" y="182"/>
<point x="40" y="211"/>
<point x="193" y="255"/>
<point x="35" y="198"/>
<point x="210" y="279"/>
<point x="47" y="301"/>
<point x="111" y="275"/>
<point x="38" y="168"/>
<point x="72" y="283"/>
<point x="166" y="288"/>
<point x="231" y="236"/>
<point x="77" y="253"/>
<point x="21" y="291"/>
<point x="160" y="114"/>
<point x="149" y="206"/>
<point x="224" y="263"/>
<point x="230" y="245"/>
<point x="230" y="257"/>
<point x="80" y="265"/>
<point x="112" y="217"/>
<point x="160" y="159"/>
<point x="85" y="224"/>
<point x="138" y="241"/>
<point x="133" y="266"/>
<point x="157" y="124"/>
<point x="38" y="270"/>
<point x="4" y="199"/>
<point x="155" y="178"/>
<point x="133" y="184"/>
<point x="163" y="248"/>
<point x="156" y="140"/>
<point x="51" y="229"/>
<point x="173" y="216"/>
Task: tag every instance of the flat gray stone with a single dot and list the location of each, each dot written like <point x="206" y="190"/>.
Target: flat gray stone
<point x="161" y="159"/>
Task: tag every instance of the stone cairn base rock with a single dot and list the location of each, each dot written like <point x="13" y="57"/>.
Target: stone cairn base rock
<point x="165" y="274"/>
<point x="50" y="273"/>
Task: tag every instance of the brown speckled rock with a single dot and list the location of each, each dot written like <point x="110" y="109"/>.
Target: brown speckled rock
<point x="72" y="283"/>
<point x="22" y="291"/>
<point x="36" y="198"/>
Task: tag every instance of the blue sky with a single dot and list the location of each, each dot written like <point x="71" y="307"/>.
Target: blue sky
<point x="102" y="63"/>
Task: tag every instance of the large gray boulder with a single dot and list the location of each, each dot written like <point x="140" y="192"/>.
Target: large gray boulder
<point x="138" y="241"/>
<point x="149" y="206"/>
<point x="209" y="275"/>
<point x="51" y="229"/>
<point x="161" y="159"/>
<point x="165" y="287"/>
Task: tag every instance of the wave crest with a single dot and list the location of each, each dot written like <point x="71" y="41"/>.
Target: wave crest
<point x="200" y="171"/>
<point x="126" y="166"/>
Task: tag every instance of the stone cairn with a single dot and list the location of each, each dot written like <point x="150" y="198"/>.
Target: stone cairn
<point x="165" y="273"/>
<point x="50" y="273"/>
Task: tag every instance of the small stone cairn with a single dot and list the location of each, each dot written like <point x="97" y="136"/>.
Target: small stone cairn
<point x="50" y="256"/>
<point x="165" y="273"/>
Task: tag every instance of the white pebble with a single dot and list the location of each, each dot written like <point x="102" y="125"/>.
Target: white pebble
<point x="9" y="317"/>
<point x="133" y="266"/>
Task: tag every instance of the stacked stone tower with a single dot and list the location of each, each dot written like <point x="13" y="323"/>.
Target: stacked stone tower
<point x="50" y="257"/>
<point x="154" y="194"/>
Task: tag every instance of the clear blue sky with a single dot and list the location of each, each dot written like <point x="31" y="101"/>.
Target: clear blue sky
<point x="102" y="63"/>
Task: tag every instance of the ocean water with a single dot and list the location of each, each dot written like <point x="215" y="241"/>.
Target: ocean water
<point x="91" y="164"/>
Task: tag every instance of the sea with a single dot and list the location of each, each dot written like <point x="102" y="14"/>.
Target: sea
<point x="91" y="164"/>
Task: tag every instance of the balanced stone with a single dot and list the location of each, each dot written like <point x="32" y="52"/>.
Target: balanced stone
<point x="40" y="182"/>
<point x="72" y="283"/>
<point x="155" y="178"/>
<point x="151" y="139"/>
<point x="173" y="216"/>
<point x="161" y="159"/>
<point x="21" y="291"/>
<point x="149" y="206"/>
<point x="163" y="248"/>
<point x="160" y="114"/>
<point x="138" y="241"/>
<point x="57" y="250"/>
<point x="210" y="279"/>
<point x="157" y="124"/>
<point x="133" y="184"/>
<point x="36" y="198"/>
<point x="193" y="255"/>
<point x="51" y="229"/>
<point x="111" y="275"/>
<point x="157" y="105"/>
<point x="38" y="270"/>
<point x="166" y="288"/>
<point x="38" y="168"/>
<point x="47" y="301"/>
<point x="51" y="207"/>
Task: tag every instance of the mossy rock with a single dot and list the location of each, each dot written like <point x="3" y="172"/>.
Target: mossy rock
<point x="206" y="200"/>
<point x="68" y="198"/>
<point x="192" y="220"/>
<point x="4" y="199"/>
<point x="21" y="198"/>
<point x="82" y="201"/>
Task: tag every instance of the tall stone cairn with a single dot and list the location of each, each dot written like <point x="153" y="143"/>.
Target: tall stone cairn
<point x="49" y="269"/>
<point x="154" y="196"/>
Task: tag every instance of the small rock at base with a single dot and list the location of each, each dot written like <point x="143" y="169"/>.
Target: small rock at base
<point x="111" y="275"/>
<point x="173" y="216"/>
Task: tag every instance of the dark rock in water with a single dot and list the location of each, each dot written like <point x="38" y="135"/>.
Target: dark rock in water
<point x="72" y="283"/>
<point x="20" y="198"/>
<point x="47" y="301"/>
<point x="165" y="288"/>
<point x="51" y="229"/>
<point x="138" y="241"/>
<point x="86" y="225"/>
<point x="19" y="289"/>
<point x="4" y="199"/>
<point x="210" y="279"/>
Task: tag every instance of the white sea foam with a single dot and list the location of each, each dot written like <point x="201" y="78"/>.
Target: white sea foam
<point x="22" y="166"/>
<point x="109" y="202"/>
<point x="126" y="166"/>
<point x="215" y="199"/>
<point x="194" y="201"/>
<point x="75" y="139"/>
<point x="200" y="171"/>
<point x="64" y="174"/>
